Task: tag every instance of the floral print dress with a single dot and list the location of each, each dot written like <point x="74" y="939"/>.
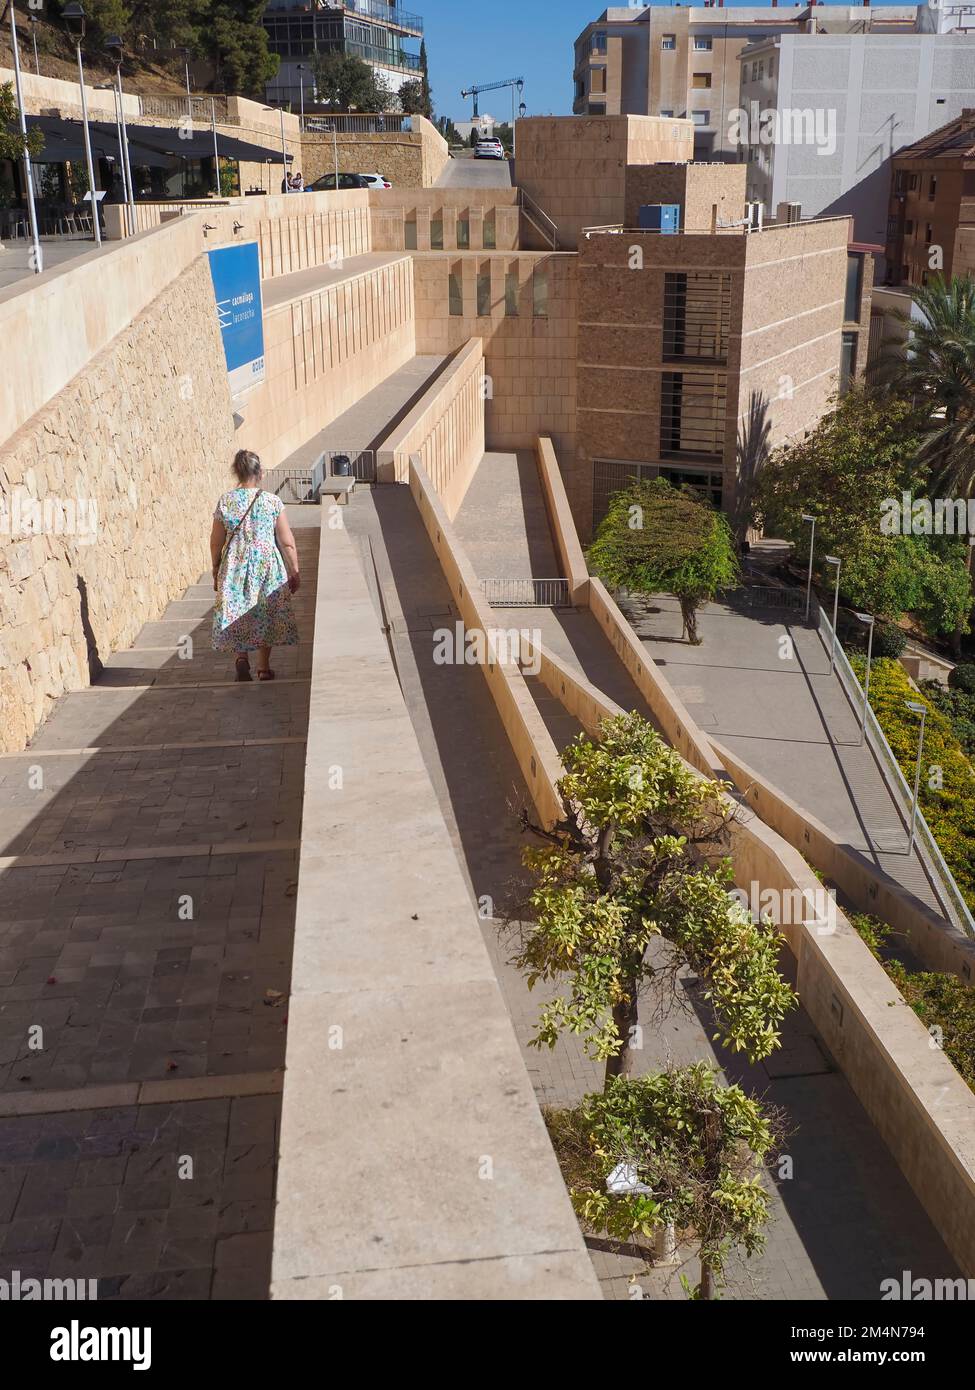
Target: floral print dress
<point x="253" y="606"/>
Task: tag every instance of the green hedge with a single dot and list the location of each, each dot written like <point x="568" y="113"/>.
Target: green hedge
<point x="939" y="1000"/>
<point x="949" y="812"/>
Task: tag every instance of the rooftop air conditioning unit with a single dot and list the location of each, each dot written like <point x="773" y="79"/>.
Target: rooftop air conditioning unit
<point x="755" y="215"/>
<point x="788" y="213"/>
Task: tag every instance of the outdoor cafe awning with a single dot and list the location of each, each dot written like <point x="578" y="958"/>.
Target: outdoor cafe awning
<point x="150" y="146"/>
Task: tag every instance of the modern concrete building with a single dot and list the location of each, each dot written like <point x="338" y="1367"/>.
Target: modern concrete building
<point x="377" y="31"/>
<point x="931" y="221"/>
<point x="823" y="114"/>
<point x="682" y="60"/>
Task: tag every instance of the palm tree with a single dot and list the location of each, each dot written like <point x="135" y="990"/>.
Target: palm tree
<point x="936" y="366"/>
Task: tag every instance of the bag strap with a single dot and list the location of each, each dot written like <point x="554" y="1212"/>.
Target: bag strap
<point x="231" y="534"/>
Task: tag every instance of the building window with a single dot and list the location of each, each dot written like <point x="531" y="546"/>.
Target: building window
<point x="539" y="292"/>
<point x="484" y="290"/>
<point x="668" y="41"/>
<point x="464" y="232"/>
<point x="701" y="117"/>
<point x="455" y="291"/>
<point x="927" y="233"/>
<point x="436" y="232"/>
<point x="597" y="80"/>
<point x="697" y="315"/>
<point x="668" y="114"/>
<point x="908" y="228"/>
<point x="900" y="181"/>
<point x="754" y="71"/>
<point x="692" y="413"/>
<point x="932" y="188"/>
<point x="701" y="81"/>
<point x="511" y="293"/>
<point x="912" y="181"/>
<point x="771" y="67"/>
<point x="597" y="44"/>
<point x="701" y="44"/>
<point x="854" y="285"/>
<point x="848" y="361"/>
<point x="761" y="70"/>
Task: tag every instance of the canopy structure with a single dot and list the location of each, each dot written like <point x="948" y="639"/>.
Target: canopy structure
<point x="150" y="146"/>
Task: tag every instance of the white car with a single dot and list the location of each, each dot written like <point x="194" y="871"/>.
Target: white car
<point x="377" y="181"/>
<point x="490" y="148"/>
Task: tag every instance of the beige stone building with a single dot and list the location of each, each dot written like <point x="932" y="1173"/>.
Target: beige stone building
<point x="683" y="60"/>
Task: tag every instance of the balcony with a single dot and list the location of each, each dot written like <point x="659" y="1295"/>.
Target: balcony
<point x="390" y="15"/>
<point x="385" y="57"/>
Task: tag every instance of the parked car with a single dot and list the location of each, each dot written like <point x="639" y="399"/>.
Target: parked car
<point x="377" y="181"/>
<point x="489" y="148"/>
<point x="326" y="183"/>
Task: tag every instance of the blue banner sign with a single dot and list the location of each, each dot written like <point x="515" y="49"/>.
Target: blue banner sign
<point x="236" y="273"/>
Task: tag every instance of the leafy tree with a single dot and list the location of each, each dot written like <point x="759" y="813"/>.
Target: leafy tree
<point x="659" y="539"/>
<point x="411" y="98"/>
<point x="12" y="142"/>
<point x="937" y="371"/>
<point x="694" y="1147"/>
<point x="426" y="108"/>
<point x="860" y="455"/>
<point x="344" y="81"/>
<point x="231" y="35"/>
<point x="107" y="17"/>
<point x="624" y="875"/>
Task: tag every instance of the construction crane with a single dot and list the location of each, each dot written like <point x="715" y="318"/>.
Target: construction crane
<point x="474" y="92"/>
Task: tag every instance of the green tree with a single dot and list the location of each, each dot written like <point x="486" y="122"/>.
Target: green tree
<point x="865" y="452"/>
<point x="624" y="894"/>
<point x="658" y="539"/>
<point x="426" y="109"/>
<point x="689" y="1149"/>
<point x="107" y="17"/>
<point x="938" y="372"/>
<point x="411" y="98"/>
<point x="230" y="33"/>
<point x="345" y="82"/>
<point x="12" y="142"/>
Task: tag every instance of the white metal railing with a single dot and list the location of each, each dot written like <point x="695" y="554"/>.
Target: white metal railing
<point x="946" y="890"/>
<point x="536" y="215"/>
<point x="526" y="593"/>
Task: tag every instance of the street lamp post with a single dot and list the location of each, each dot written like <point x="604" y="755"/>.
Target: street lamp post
<point x="869" y="620"/>
<point x="216" y="152"/>
<point x="519" y="87"/>
<point x="37" y="254"/>
<point x="832" y="560"/>
<point x="810" y="520"/>
<point x="916" y="707"/>
<point x="284" y="146"/>
<point x="189" y="92"/>
<point x="33" y="34"/>
<point x="301" y="79"/>
<point x="74" y="16"/>
<point x="116" y="51"/>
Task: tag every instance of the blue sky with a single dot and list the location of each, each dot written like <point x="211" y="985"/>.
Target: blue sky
<point x="498" y="39"/>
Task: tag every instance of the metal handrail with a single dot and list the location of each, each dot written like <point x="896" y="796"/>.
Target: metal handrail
<point x="943" y="882"/>
<point x="526" y="593"/>
<point x="531" y="210"/>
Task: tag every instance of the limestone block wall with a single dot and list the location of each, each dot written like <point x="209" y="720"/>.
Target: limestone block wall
<point x="529" y="355"/>
<point x="326" y="349"/>
<point x="444" y="430"/>
<point x="575" y="167"/>
<point x="488" y="214"/>
<point x="107" y="494"/>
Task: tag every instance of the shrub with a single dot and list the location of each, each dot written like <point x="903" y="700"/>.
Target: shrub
<point x="963" y="678"/>
<point x="949" y="808"/>
<point x="888" y="641"/>
<point x="941" y="1001"/>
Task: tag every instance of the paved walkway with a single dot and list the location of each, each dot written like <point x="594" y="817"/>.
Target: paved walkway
<point x="847" y="1218"/>
<point x="15" y="262"/>
<point x="146" y="922"/>
<point x="786" y="717"/>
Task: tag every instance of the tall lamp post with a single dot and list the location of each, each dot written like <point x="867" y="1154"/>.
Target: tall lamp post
<point x="74" y="17"/>
<point x="189" y="91"/>
<point x="832" y="560"/>
<point x="810" y="521"/>
<point x="284" y="146"/>
<point x="116" y="51"/>
<point x="870" y="622"/>
<point x="518" y="87"/>
<point x="916" y="707"/>
<point x="33" y="34"/>
<point x="302" y="69"/>
<point x="37" y="253"/>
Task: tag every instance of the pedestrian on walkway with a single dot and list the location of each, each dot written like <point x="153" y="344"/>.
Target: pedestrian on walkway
<point x="255" y="572"/>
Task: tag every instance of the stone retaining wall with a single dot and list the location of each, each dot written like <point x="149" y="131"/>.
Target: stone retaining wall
<point x="131" y="456"/>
